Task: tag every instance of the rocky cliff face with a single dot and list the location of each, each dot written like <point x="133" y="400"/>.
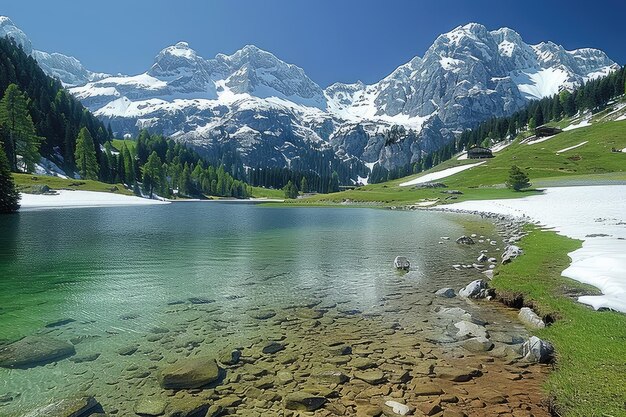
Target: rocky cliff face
<point x="275" y="115"/>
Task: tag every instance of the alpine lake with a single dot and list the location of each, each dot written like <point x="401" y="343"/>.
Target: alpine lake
<point x="297" y="310"/>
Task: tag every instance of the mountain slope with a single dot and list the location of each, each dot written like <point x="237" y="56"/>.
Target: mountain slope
<point x="273" y="114"/>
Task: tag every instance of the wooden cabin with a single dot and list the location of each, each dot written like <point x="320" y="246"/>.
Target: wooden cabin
<point x="478" y="152"/>
<point x="544" y="131"/>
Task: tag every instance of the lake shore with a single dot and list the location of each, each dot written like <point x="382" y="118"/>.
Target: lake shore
<point x="557" y="272"/>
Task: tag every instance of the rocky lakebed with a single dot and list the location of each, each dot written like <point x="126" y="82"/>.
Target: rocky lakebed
<point x="434" y="349"/>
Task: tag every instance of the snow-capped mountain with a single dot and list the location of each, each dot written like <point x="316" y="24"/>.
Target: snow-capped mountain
<point x="67" y="69"/>
<point x="275" y="115"/>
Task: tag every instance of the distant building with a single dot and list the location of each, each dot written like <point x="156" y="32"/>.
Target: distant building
<point x="543" y="131"/>
<point x="478" y="152"/>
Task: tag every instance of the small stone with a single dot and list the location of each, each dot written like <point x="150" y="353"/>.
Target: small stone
<point x="398" y="408"/>
<point x="331" y="377"/>
<point x="262" y="314"/>
<point x="273" y="347"/>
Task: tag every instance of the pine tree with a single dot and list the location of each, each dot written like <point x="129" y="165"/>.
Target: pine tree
<point x="22" y="137"/>
<point x="291" y="191"/>
<point x="152" y="175"/>
<point x="304" y="186"/>
<point x="333" y="186"/>
<point x="85" y="156"/>
<point x="518" y="179"/>
<point x="129" y="166"/>
<point x="9" y="196"/>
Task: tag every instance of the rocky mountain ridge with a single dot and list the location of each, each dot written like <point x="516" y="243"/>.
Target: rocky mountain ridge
<point x="274" y="115"/>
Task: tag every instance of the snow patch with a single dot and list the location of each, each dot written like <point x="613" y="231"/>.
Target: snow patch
<point x="440" y="174"/>
<point x="571" y="147"/>
<point x="75" y="199"/>
<point x="598" y="211"/>
<point x="584" y="123"/>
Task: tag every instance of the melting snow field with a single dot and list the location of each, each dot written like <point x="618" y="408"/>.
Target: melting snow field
<point x="594" y="214"/>
<point x="571" y="147"/>
<point x="584" y="123"/>
<point x="67" y="199"/>
<point x="440" y="174"/>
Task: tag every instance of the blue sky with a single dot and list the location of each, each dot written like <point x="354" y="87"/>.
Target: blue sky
<point x="333" y="40"/>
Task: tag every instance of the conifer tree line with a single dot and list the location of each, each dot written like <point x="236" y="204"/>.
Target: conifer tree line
<point x="592" y="96"/>
<point x="162" y="166"/>
<point x="48" y="119"/>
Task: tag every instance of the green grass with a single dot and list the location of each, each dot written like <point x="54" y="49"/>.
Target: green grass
<point x="117" y="144"/>
<point x="591" y="162"/>
<point x="260" y="192"/>
<point x="25" y="182"/>
<point x="590" y="374"/>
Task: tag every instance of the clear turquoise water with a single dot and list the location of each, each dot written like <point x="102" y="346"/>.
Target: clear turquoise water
<point x="116" y="271"/>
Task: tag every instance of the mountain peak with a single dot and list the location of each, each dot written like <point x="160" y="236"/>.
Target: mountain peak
<point x="8" y="28"/>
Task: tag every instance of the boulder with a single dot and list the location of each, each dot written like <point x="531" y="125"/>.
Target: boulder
<point x="401" y="262"/>
<point x="190" y="373"/>
<point x="537" y="350"/>
<point x="303" y="401"/>
<point x="446" y="293"/>
<point x="467" y="329"/>
<point x="482" y="258"/>
<point x="530" y="318"/>
<point x="475" y="289"/>
<point x="511" y="252"/>
<point x="34" y="350"/>
<point x="465" y="240"/>
<point x="68" y="407"/>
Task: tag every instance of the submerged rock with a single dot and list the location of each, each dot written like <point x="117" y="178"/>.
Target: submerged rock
<point x="446" y="293"/>
<point x="303" y="401"/>
<point x="401" y="262"/>
<point x="397" y="408"/>
<point x="190" y="373"/>
<point x="69" y="407"/>
<point x="150" y="407"/>
<point x="34" y="350"/>
<point x="465" y="240"/>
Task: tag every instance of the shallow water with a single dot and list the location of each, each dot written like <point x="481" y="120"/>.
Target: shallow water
<point x="119" y="272"/>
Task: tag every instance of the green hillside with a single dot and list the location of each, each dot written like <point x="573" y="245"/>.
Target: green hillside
<point x="592" y="162"/>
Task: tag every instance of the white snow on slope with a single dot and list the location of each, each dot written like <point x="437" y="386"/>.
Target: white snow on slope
<point x="440" y="174"/>
<point x="540" y="83"/>
<point x="584" y="123"/>
<point x="75" y="199"/>
<point x="580" y="213"/>
<point x="499" y="146"/>
<point x="571" y="147"/>
<point x="543" y="139"/>
<point x="621" y="118"/>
